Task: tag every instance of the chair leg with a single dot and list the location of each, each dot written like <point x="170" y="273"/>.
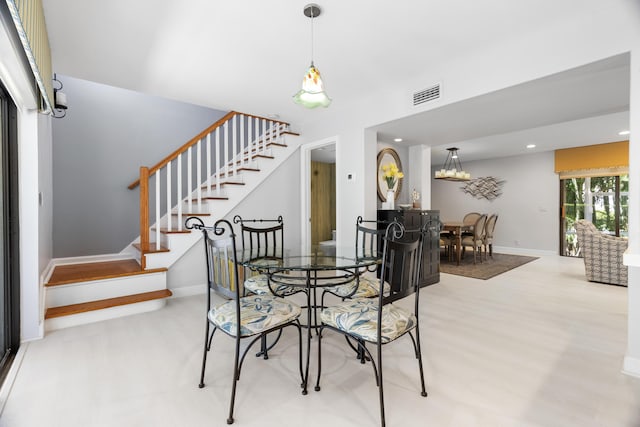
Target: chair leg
<point x="419" y="357"/>
<point x="204" y="354"/>
<point x="317" y="387"/>
<point x="380" y="387"/>
<point x="236" y="375"/>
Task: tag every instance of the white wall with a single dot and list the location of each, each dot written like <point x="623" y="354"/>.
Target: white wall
<point x="527" y="208"/>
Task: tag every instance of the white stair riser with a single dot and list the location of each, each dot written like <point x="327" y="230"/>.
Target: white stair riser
<point x="77" y="293"/>
<point x="179" y="244"/>
<point x="104" y="314"/>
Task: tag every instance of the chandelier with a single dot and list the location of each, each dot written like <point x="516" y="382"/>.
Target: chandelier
<point x="452" y="169"/>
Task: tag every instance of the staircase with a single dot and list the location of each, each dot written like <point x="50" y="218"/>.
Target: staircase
<point x="229" y="159"/>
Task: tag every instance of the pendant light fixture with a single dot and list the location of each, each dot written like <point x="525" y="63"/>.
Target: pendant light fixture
<point x="452" y="169"/>
<point x="312" y="94"/>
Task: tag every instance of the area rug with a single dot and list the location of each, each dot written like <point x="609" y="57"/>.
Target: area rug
<point x="484" y="270"/>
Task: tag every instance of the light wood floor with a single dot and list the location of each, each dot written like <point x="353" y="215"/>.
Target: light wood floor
<point x="537" y="346"/>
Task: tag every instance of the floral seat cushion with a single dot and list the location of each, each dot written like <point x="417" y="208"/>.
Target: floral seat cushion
<point x="258" y="313"/>
<point x="259" y="285"/>
<point x="359" y="317"/>
<point x="368" y="287"/>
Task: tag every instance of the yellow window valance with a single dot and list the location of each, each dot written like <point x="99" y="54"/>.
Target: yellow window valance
<point x="593" y="160"/>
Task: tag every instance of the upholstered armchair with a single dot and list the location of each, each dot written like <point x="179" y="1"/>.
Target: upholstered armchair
<point x="602" y="254"/>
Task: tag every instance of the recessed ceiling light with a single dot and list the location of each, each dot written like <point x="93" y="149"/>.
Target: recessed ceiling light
<point x="624" y="132"/>
<point x="531" y="146"/>
<point x="397" y="140"/>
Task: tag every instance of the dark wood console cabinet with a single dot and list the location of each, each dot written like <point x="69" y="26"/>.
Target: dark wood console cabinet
<point x="416" y="219"/>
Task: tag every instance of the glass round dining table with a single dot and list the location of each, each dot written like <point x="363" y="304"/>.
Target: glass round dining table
<point x="308" y="270"/>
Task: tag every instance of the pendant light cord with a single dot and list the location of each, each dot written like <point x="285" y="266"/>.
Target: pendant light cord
<point x="312" y="18"/>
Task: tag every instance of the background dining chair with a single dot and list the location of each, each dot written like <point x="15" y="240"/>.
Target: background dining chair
<point x="364" y="283"/>
<point x="469" y="221"/>
<point x="263" y="242"/>
<point x="475" y="241"/>
<point x="238" y="317"/>
<point x="377" y="320"/>
<point x="487" y="240"/>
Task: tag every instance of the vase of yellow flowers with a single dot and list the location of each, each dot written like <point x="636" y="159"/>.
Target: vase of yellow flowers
<point x="391" y="175"/>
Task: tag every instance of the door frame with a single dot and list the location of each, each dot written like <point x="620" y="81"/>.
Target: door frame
<point x="305" y="187"/>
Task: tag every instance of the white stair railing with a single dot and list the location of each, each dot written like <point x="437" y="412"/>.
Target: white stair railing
<point x="236" y="138"/>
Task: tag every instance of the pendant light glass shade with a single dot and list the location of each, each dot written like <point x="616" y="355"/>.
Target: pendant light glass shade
<point x="312" y="94"/>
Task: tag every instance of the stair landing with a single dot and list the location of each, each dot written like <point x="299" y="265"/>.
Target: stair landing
<point x="102" y="298"/>
<point x="64" y="274"/>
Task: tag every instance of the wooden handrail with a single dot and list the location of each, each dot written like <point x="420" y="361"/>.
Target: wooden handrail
<point x="195" y="140"/>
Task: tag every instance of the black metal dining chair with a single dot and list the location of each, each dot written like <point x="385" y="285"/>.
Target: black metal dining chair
<point x="365" y="283"/>
<point x="377" y="320"/>
<point x="263" y="239"/>
<point x="238" y="317"/>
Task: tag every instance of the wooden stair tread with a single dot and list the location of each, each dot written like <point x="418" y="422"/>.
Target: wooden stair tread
<point x="192" y="214"/>
<point x="211" y="198"/>
<point x="206" y="187"/>
<point x="72" y="273"/>
<point x="167" y="231"/>
<point x="152" y="248"/>
<point x="84" y="307"/>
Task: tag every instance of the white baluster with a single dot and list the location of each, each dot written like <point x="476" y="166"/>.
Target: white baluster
<point x="199" y="179"/>
<point x="256" y="136"/>
<point x="158" y="210"/>
<point x="226" y="150"/>
<point x="189" y="171"/>
<point x="179" y="191"/>
<point x="249" y="139"/>
<point x="264" y="135"/>
<point x="218" y="161"/>
<point x="209" y="163"/>
<point x="242" y="144"/>
<point x="234" y="143"/>
<point x="271" y="132"/>
<point x="168" y="195"/>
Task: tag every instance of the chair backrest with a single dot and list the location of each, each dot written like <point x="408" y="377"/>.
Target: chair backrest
<point x="368" y="240"/>
<point x="490" y="226"/>
<point x="478" y="228"/>
<point x="261" y="242"/>
<point x="221" y="257"/>
<point x="400" y="253"/>
<point x="471" y="218"/>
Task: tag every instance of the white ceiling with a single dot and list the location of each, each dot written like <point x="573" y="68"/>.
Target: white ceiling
<point x="250" y="56"/>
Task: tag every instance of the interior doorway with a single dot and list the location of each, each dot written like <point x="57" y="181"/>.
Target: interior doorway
<point x="319" y="194"/>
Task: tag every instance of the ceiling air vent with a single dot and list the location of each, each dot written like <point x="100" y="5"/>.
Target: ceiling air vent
<point x="426" y="95"/>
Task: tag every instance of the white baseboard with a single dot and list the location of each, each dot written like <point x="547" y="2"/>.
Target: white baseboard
<point x="631" y="366"/>
<point x="87" y="259"/>
<point x="188" y="291"/>
<point x="523" y="251"/>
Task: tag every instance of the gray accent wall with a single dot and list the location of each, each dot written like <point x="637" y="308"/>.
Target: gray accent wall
<point x="528" y="208"/>
<point x="98" y="148"/>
